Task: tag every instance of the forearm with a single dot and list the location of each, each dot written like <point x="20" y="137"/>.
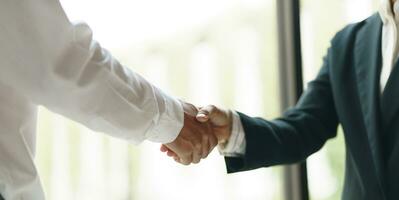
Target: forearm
<point x="268" y="143"/>
<point x="57" y="64"/>
<point x="283" y="141"/>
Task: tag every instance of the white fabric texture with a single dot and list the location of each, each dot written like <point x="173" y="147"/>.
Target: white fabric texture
<point x="47" y="60"/>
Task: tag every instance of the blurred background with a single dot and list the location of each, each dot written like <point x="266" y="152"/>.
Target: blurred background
<point x="221" y="52"/>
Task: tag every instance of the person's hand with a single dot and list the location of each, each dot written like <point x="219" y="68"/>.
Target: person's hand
<point x="220" y="119"/>
<point x="195" y="141"/>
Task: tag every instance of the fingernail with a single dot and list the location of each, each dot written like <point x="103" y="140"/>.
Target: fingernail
<point x="201" y="115"/>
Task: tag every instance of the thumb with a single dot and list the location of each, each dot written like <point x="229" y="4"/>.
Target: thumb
<point x="202" y="116"/>
<point x="164" y="148"/>
<point x="216" y="115"/>
<point x="206" y="113"/>
<point x="219" y="116"/>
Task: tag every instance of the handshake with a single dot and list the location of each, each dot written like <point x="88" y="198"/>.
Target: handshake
<point x="204" y="128"/>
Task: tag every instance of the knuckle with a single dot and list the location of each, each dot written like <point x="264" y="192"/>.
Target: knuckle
<point x="214" y="144"/>
<point x="186" y="160"/>
<point x="188" y="153"/>
<point x="206" y="153"/>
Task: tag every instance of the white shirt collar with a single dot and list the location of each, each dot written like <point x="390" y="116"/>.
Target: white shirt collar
<point x="386" y="11"/>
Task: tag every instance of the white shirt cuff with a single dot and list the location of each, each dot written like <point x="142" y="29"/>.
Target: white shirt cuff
<point x="236" y="144"/>
<point x="170" y="122"/>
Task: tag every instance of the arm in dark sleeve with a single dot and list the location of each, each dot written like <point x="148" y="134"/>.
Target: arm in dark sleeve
<point x="301" y="131"/>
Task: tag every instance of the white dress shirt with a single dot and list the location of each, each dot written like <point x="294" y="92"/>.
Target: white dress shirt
<point x="46" y="60"/>
<point x="390" y="52"/>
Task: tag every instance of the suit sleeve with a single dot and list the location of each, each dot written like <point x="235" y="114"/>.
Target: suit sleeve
<point x="301" y="131"/>
<point x="57" y="64"/>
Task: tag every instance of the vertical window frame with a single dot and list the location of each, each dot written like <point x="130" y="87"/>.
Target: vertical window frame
<point x="291" y="86"/>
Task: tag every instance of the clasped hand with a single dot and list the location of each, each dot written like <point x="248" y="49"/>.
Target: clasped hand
<point x="203" y="130"/>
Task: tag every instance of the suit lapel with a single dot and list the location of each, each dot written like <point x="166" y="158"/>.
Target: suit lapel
<point x="390" y="97"/>
<point x="368" y="68"/>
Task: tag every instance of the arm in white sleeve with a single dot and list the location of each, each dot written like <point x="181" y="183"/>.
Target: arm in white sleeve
<point x="235" y="146"/>
<point x="58" y="65"/>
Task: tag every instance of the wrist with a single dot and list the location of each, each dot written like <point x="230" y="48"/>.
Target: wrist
<point x="225" y="135"/>
<point x="235" y="144"/>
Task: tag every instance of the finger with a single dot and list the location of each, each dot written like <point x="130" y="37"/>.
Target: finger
<point x="206" y="113"/>
<point x="195" y="138"/>
<point x="190" y="108"/>
<point x="203" y="113"/>
<point x="186" y="152"/>
<point x="196" y="157"/>
<point x="184" y="162"/>
<point x="213" y="142"/>
<point x="171" y="154"/>
<point x="207" y="110"/>
<point x="164" y="148"/>
<point x="182" y="149"/>
<point x="192" y="132"/>
<point x="205" y="145"/>
<point x="202" y="117"/>
<point x="197" y="150"/>
<point x="187" y="160"/>
<point x="177" y="159"/>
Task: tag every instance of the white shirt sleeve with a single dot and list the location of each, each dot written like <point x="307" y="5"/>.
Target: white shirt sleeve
<point x="57" y="64"/>
<point x="236" y="144"/>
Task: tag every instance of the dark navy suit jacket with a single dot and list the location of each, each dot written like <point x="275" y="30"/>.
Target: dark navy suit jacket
<point x="346" y="92"/>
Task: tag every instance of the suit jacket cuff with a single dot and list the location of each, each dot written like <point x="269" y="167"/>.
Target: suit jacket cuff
<point x="258" y="137"/>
